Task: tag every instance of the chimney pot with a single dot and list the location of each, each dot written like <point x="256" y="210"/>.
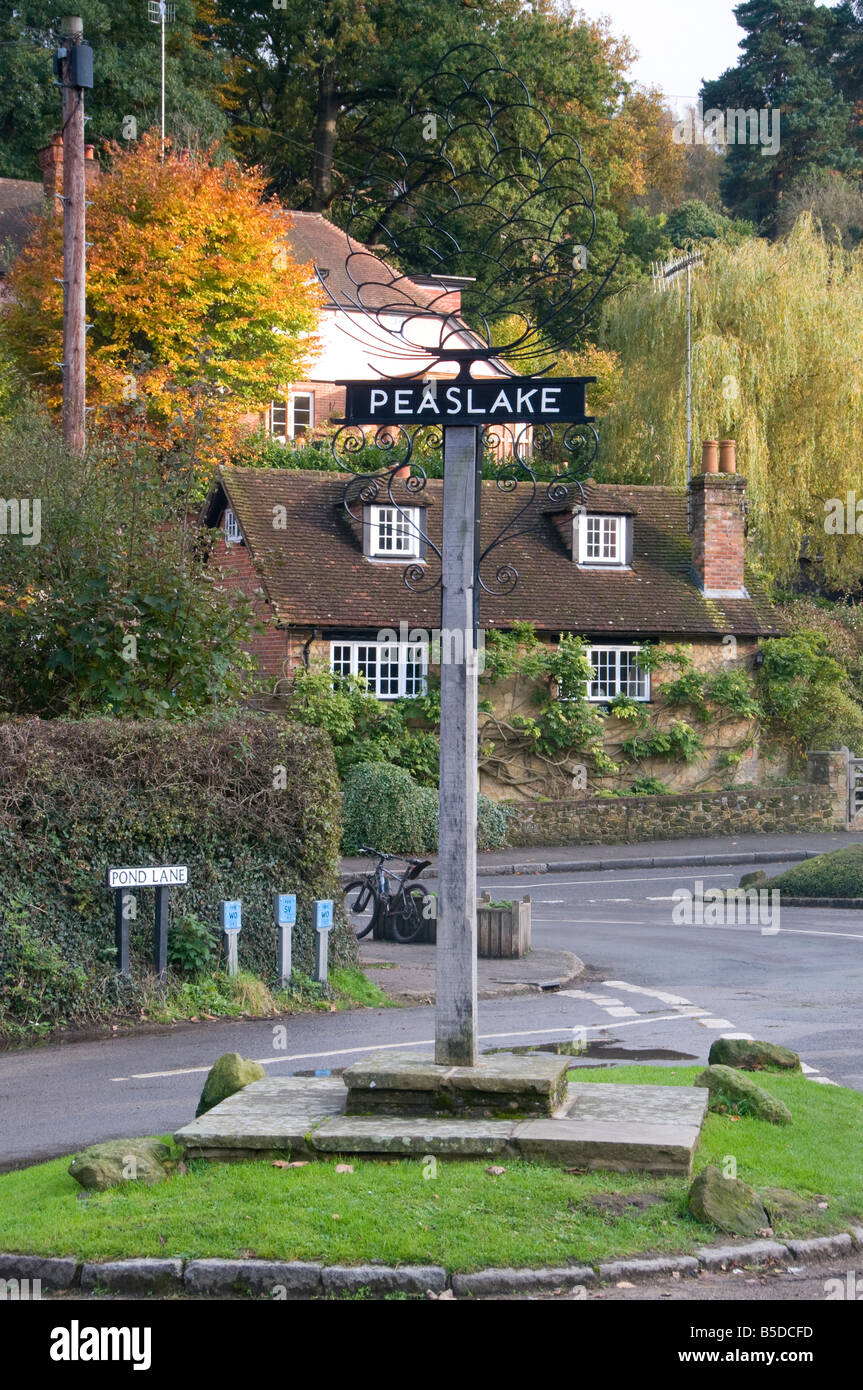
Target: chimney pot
<point x="727" y="456"/>
<point x="710" y="456"/>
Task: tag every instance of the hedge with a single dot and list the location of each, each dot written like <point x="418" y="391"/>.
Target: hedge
<point x="838" y="874"/>
<point x="250" y="803"/>
<point x="386" y="809"/>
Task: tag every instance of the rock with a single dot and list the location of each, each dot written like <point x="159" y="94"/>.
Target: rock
<point x="727" y="1203"/>
<point x="752" y="1056"/>
<point x="339" y="1280"/>
<point x="732" y="1091"/>
<point x="785" y="1205"/>
<point x="122" y="1160"/>
<point x="490" y="1283"/>
<point x="227" y="1076"/>
<point x="754" y="880"/>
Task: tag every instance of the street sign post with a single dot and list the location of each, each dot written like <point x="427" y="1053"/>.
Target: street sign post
<point x="121" y="881"/>
<point x="284" y="916"/>
<point x="231" y="922"/>
<point x="323" y="925"/>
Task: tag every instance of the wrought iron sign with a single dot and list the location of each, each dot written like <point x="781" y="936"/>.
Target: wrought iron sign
<point x="517" y="400"/>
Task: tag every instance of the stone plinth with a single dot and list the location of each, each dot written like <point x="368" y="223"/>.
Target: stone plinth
<point x="597" y="1126"/>
<point x="503" y="1083"/>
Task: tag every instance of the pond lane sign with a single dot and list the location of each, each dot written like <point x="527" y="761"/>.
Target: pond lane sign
<point x="149" y="876"/>
<point x="501" y="400"/>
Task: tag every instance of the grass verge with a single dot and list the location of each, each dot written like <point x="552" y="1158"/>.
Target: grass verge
<point x="460" y="1217"/>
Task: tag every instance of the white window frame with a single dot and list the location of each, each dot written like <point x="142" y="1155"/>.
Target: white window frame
<point x="274" y="406"/>
<point x="404" y="520"/>
<point x="354" y="652"/>
<point x="292" y="401"/>
<point x="233" y="534"/>
<point x="621" y="535"/>
<point x="611" y="649"/>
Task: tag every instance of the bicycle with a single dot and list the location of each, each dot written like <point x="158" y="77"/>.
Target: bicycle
<point x="382" y="896"/>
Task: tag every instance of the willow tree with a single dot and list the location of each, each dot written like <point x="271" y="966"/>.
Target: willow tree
<point x="777" y="364"/>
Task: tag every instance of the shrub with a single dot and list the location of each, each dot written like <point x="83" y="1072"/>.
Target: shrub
<point x="249" y="803"/>
<point x="191" y="943"/>
<point x="385" y="808"/>
<point x="835" y="875"/>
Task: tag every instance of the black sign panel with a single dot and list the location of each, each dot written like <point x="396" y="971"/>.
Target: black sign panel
<point x="503" y="400"/>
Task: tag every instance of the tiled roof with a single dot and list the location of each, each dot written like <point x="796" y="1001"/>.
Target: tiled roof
<point x="315" y="574"/>
<point x="312" y="237"/>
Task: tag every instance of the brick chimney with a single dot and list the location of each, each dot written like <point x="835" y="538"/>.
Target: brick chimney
<point x="51" y="164"/>
<point x="716" y="501"/>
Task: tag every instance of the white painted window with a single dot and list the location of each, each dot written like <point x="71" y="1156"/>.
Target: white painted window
<point x="279" y="420"/>
<point x="601" y="540"/>
<point x="233" y="534"/>
<point x="391" y="669"/>
<point x="301" y="413"/>
<point x="616" y="672"/>
<point x="395" y="533"/>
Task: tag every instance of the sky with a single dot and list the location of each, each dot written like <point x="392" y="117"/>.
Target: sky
<point x="680" y="42"/>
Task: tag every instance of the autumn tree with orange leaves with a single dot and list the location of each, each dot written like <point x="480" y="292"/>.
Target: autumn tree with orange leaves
<point x="198" y="309"/>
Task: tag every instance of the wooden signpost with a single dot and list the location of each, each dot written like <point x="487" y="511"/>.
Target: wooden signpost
<point x="462" y="407"/>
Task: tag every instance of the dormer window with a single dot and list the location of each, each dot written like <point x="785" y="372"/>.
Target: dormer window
<point x="233" y="534"/>
<point x="394" y="533"/>
<point x="602" y="540"/>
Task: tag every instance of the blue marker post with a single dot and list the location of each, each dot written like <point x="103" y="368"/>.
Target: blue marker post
<point x="285" y="916"/>
<point x="231" y="922"/>
<point x="323" y="925"/>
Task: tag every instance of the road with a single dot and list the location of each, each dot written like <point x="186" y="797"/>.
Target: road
<point x="653" y="991"/>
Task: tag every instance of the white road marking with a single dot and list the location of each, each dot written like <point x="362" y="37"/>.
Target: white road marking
<point x="423" y="1042"/>
<point x="653" y="993"/>
<point x="715" y="1022"/>
<point x="746" y="1037"/>
<point x="801" y="931"/>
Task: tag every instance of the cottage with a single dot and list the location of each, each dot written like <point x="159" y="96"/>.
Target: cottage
<point x="619" y="569"/>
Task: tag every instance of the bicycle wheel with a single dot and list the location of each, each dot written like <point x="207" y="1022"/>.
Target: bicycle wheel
<point x="408" y="918"/>
<point x="361" y="905"/>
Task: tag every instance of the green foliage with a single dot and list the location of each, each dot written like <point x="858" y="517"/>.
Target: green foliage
<point x="835" y="875"/>
<point x="805" y="693"/>
<point x="191" y="943"/>
<point x="679" y="741"/>
<point x="114" y="610"/>
<point x="249" y="803"/>
<point x="804" y="59"/>
<point x="770" y="324"/>
<point x="386" y="809"/>
<point x="694" y="222"/>
<point x="38" y="985"/>
<point x="364" y="729"/>
<point x="127" y="72"/>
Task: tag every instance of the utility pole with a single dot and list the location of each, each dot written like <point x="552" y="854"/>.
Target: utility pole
<point x="665" y="275"/>
<point x="74" y="66"/>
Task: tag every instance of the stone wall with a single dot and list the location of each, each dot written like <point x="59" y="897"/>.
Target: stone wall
<point x="598" y="820"/>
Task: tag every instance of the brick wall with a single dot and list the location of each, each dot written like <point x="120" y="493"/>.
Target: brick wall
<point x="278" y="651"/>
<point x="631" y="819"/>
<point x="717" y="531"/>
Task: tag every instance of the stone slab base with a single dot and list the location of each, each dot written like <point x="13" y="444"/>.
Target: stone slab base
<point x="395" y="1083"/>
<point x="653" y="1129"/>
